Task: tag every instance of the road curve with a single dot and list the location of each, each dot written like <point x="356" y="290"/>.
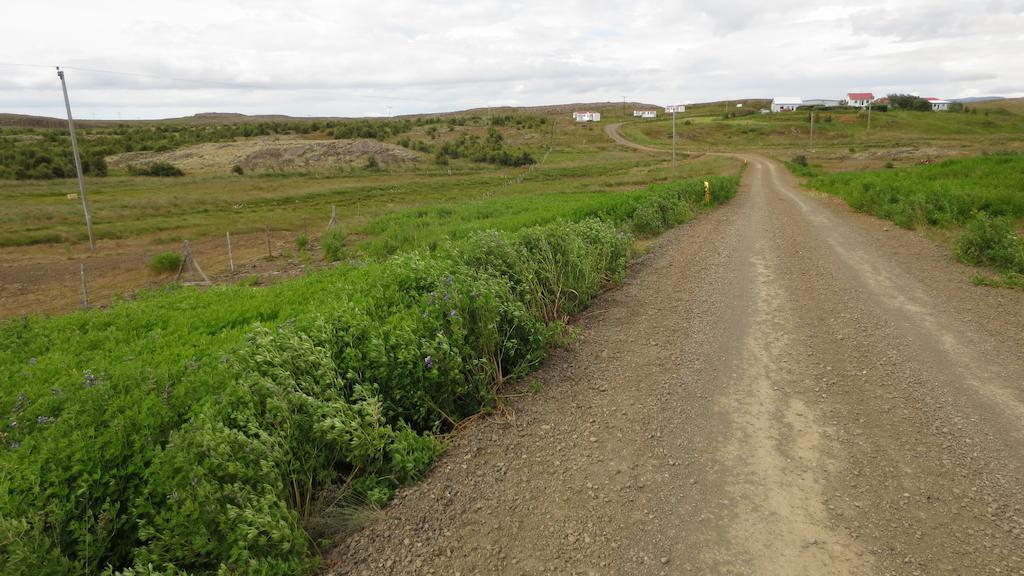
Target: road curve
<point x="783" y="386"/>
<point x="612" y="131"/>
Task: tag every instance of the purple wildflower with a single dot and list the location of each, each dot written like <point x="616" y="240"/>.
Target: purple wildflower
<point x="453" y="314"/>
<point x="428" y="363"/>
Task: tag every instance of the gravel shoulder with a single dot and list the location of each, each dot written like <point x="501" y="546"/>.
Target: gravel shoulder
<point x="782" y="386"/>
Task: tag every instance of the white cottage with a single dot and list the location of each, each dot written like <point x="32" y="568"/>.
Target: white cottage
<point x="678" y="108"/>
<point x="859" y="99"/>
<point x="786" y="103"/>
<point x="645" y="113"/>
<point x="586" y="116"/>
<point x="938" y="104"/>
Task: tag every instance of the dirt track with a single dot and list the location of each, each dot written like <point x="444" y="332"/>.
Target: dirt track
<point x="781" y="387"/>
<point x="612" y="131"/>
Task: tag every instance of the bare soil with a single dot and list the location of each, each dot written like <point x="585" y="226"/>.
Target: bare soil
<point x="783" y="386"/>
<point x="270" y="154"/>
<point x="47" y="278"/>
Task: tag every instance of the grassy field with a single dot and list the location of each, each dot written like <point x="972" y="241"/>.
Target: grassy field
<point x="210" y="431"/>
<point x="161" y="210"/>
<point x="42" y="233"/>
<point x="979" y="200"/>
<point x="230" y="430"/>
<point x="993" y="126"/>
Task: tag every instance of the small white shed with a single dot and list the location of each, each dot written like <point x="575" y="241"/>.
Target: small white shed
<point x="786" y="103"/>
<point x="586" y="116"/>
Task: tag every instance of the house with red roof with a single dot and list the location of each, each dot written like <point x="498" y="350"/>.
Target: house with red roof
<point x="938" y="104"/>
<point x="859" y="99"/>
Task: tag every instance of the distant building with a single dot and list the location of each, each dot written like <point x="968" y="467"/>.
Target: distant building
<point x="938" y="104"/>
<point x="859" y="99"/>
<point x="645" y="113"/>
<point x="679" y="108"/>
<point x="786" y="103"/>
<point x="586" y="116"/>
<point x="883" y="101"/>
<point x="821" y="102"/>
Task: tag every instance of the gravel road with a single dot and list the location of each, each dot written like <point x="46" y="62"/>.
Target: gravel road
<point x="783" y="386"/>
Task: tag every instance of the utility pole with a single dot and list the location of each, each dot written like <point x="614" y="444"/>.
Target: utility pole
<point x="674" y="137"/>
<point x="623" y="107"/>
<point x="78" y="160"/>
<point x="812" y="132"/>
<point x="869" y="117"/>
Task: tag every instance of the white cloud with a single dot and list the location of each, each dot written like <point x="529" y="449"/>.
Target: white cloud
<point x="318" y="57"/>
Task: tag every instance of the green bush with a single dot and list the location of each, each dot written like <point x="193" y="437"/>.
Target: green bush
<point x="301" y="242"/>
<point x="193" y="430"/>
<point x="332" y="242"/>
<point x="165" y="263"/>
<point x="991" y="241"/>
<point x="237" y="169"/>
<point x="159" y="169"/>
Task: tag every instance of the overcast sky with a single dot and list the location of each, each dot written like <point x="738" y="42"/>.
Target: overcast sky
<point x="347" y="58"/>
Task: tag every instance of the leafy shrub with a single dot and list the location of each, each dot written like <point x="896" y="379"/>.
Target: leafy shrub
<point x="165" y="263"/>
<point x="159" y="169"/>
<point x="800" y="160"/>
<point x="237" y="169"/>
<point x="301" y="242"/>
<point x="193" y="430"/>
<point x="991" y="241"/>
<point x="491" y="150"/>
<point x="372" y="163"/>
<point x="332" y="242"/>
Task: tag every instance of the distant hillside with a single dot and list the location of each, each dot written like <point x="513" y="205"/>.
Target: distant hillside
<point x="976" y="99"/>
<point x="26" y="121"/>
<point x="221" y="118"/>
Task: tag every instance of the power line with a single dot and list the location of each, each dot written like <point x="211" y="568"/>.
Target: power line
<point x="224" y="83"/>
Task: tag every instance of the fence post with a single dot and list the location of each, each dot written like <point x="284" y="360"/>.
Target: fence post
<point x="231" y="259"/>
<point x="85" y="289"/>
<point x="266" y="231"/>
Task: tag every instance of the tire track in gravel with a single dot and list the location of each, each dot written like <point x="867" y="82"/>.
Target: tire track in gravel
<point x="782" y="386"/>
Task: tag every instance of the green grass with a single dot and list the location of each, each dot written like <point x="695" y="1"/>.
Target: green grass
<point x="194" y="429"/>
<point x="982" y="196"/>
<point x="203" y="205"/>
<point x="943" y="194"/>
<point x="832" y="129"/>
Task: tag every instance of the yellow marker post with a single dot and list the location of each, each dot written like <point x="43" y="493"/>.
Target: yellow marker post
<point x="707" y="192"/>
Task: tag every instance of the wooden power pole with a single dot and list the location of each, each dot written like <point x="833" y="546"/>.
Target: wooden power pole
<point x="78" y="160"/>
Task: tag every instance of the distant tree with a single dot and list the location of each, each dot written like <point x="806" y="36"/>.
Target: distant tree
<point x="909" y="102"/>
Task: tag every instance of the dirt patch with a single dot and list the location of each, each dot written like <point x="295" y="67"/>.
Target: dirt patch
<point x="271" y="154"/>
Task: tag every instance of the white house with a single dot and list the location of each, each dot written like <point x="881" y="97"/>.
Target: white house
<point x="678" y="108"/>
<point x="938" y="104"/>
<point x="859" y="99"/>
<point x="645" y="113"/>
<point x="786" y="103"/>
<point x="586" y="116"/>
